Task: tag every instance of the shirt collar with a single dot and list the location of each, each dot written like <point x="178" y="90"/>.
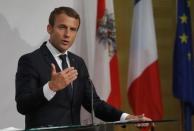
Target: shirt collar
<point x="54" y="51"/>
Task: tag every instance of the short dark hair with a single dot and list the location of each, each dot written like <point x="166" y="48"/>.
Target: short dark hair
<point x="63" y="10"/>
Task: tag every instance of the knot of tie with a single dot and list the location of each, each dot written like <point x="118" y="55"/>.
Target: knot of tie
<point x="64" y="62"/>
<point x="63" y="57"/>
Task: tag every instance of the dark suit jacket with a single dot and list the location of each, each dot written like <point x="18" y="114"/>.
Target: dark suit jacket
<point x="34" y="71"/>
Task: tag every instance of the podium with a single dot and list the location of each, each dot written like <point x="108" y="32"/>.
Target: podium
<point x="106" y="126"/>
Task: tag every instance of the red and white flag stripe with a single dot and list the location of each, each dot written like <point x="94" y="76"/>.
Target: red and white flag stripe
<point x="143" y="80"/>
<point x="106" y="70"/>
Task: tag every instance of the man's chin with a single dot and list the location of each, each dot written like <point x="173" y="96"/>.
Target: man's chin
<point x="63" y="49"/>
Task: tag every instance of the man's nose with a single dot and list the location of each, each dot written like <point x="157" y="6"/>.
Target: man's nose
<point x="67" y="32"/>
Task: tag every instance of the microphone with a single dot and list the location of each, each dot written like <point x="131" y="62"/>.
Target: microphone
<point x="92" y="100"/>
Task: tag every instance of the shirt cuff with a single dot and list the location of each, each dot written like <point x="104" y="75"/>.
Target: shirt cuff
<point x="48" y="93"/>
<point x="123" y="117"/>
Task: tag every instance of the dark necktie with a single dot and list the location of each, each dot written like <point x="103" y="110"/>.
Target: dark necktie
<point x="64" y="62"/>
<point x="64" y="66"/>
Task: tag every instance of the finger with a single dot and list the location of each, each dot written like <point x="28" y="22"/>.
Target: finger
<point x="68" y="75"/>
<point x="53" y="69"/>
<point x="131" y="117"/>
<point x="72" y="75"/>
<point x="71" y="72"/>
<point x="67" y="70"/>
<point x="72" y="78"/>
<point x="140" y="116"/>
<point x="147" y="119"/>
<point x="143" y="118"/>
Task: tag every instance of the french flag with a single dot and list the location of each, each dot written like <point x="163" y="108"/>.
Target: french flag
<point x="143" y="73"/>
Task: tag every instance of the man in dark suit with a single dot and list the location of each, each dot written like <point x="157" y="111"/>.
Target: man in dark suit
<point x="50" y="94"/>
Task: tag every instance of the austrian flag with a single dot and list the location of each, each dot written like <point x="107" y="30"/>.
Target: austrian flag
<point x="106" y="70"/>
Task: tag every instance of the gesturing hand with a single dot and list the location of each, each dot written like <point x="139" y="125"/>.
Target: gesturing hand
<point x="60" y="80"/>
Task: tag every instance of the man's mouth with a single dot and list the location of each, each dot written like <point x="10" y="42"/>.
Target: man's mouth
<point x="65" y="42"/>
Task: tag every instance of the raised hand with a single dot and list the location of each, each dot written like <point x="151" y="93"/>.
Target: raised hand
<point x="60" y="80"/>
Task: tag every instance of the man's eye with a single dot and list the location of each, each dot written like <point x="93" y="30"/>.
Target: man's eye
<point x="61" y="27"/>
<point x="73" y="29"/>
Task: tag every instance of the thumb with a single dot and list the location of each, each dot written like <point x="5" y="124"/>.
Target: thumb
<point x="141" y="116"/>
<point x="53" y="69"/>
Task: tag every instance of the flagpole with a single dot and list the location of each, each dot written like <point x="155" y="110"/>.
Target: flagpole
<point x="182" y="115"/>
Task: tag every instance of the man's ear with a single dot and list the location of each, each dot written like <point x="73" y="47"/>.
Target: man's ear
<point x="49" y="28"/>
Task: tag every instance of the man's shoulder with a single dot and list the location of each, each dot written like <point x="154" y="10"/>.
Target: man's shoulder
<point x="36" y="52"/>
<point x="31" y="54"/>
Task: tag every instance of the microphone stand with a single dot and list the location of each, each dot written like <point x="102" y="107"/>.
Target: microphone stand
<point x="92" y="100"/>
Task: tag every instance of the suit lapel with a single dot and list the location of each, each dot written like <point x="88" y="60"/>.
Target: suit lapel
<point x="74" y="64"/>
<point x="48" y="56"/>
<point x="72" y="60"/>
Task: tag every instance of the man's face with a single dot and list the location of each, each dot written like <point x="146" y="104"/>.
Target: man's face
<point x="63" y="32"/>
